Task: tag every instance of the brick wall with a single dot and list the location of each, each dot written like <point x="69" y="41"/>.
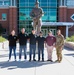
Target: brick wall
<point x="13" y="19"/>
<point x="62" y="14"/>
<point x="65" y="16"/>
<point x="5" y="23"/>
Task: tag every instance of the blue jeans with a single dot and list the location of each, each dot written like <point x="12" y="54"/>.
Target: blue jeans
<point x="41" y="50"/>
<point x="32" y="49"/>
<point x="10" y="51"/>
<point x="23" y="47"/>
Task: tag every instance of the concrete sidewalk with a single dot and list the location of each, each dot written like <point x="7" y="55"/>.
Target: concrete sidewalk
<point x="66" y="67"/>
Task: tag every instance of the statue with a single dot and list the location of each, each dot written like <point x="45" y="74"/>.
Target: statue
<point x="36" y="15"/>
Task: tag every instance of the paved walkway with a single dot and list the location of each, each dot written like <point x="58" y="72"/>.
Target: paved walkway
<point x="66" y="67"/>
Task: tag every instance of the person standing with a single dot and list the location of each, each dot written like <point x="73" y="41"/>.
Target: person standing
<point x="50" y="43"/>
<point x="40" y="41"/>
<point x="22" y="37"/>
<point x="12" y="38"/>
<point x="59" y="45"/>
<point x="32" y="40"/>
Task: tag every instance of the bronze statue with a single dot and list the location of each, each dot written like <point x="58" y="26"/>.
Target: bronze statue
<point x="36" y="15"/>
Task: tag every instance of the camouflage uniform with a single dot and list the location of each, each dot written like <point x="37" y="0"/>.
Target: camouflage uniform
<point x="36" y="14"/>
<point x="59" y="46"/>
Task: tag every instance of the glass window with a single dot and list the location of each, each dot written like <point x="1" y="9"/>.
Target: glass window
<point x="25" y="6"/>
<point x="43" y="0"/>
<point x="49" y="7"/>
<point x="31" y="4"/>
<point x="4" y="16"/>
<point x="12" y="2"/>
<point x="22" y="1"/>
<point x="1" y="2"/>
<point x="31" y="1"/>
<point x="70" y="3"/>
<point x="6" y="2"/>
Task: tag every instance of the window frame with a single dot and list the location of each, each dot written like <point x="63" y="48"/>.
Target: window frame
<point x="4" y="15"/>
<point x="1" y="3"/>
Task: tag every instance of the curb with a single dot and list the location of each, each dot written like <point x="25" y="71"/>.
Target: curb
<point x="3" y="44"/>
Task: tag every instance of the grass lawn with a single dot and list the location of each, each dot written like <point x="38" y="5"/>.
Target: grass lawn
<point x="2" y="39"/>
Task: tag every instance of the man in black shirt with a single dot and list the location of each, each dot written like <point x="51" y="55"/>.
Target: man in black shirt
<point x="40" y="41"/>
<point x="22" y="37"/>
<point x="32" y="40"/>
<point x="12" y="44"/>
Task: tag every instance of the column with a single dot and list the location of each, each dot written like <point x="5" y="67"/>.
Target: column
<point x="3" y="2"/>
<point x="66" y="31"/>
<point x="14" y="2"/>
<point x="65" y="2"/>
<point x="11" y="3"/>
<point x="60" y="2"/>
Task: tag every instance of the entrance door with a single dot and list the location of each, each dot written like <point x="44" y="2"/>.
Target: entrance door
<point x="53" y="31"/>
<point x="45" y="32"/>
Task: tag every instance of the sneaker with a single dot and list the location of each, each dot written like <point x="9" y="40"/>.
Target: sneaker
<point x="49" y="60"/>
<point x="56" y="60"/>
<point x="29" y="60"/>
<point x="38" y="60"/>
<point x="34" y="59"/>
<point x="59" y="61"/>
<point x="8" y="60"/>
<point x="43" y="60"/>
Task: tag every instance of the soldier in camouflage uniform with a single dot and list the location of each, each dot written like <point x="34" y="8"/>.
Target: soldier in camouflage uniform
<point x="59" y="45"/>
<point x="36" y="14"/>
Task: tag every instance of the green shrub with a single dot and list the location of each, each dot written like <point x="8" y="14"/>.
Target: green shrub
<point x="71" y="39"/>
<point x="2" y="39"/>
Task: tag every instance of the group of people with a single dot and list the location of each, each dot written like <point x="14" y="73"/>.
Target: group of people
<point x="36" y="42"/>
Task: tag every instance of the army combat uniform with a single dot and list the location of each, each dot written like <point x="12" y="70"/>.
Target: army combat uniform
<point x="59" y="46"/>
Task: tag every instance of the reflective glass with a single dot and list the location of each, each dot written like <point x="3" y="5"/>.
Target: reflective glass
<point x="1" y="2"/>
<point x="4" y="16"/>
<point x="49" y="7"/>
<point x="6" y="2"/>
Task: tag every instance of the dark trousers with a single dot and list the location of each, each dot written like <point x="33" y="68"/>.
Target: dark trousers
<point x="10" y="51"/>
<point x="23" y="47"/>
<point x="32" y="49"/>
<point x="40" y="51"/>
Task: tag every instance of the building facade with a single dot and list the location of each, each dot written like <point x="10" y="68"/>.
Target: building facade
<point x="58" y="14"/>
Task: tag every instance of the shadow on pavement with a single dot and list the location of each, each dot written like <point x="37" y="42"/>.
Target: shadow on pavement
<point x="4" y="55"/>
<point x="68" y="49"/>
<point x="22" y="64"/>
<point x="17" y="54"/>
<point x="7" y="55"/>
<point x="71" y="54"/>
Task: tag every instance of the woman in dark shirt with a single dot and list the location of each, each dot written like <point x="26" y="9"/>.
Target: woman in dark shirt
<point x="12" y="44"/>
